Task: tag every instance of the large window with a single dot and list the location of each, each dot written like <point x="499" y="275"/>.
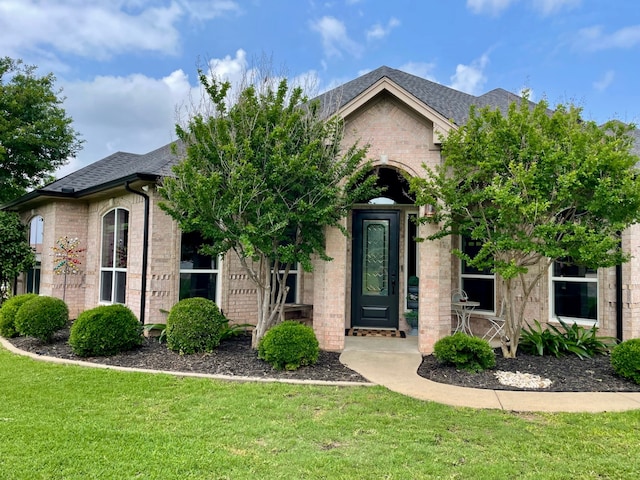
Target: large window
<point x="292" y="283"/>
<point x="199" y="274"/>
<point x="574" y="292"/>
<point x="113" y="264"/>
<point x="478" y="284"/>
<point x="36" y="232"/>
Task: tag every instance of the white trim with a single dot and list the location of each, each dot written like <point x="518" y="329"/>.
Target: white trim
<point x="113" y="270"/>
<point x="552" y="300"/>
<point x="479" y="276"/>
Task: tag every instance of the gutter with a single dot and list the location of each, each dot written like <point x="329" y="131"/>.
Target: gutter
<point x="145" y="249"/>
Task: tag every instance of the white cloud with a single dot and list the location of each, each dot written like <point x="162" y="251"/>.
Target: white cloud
<point x="335" y="39"/>
<point x="493" y="7"/>
<point x="379" y="31"/>
<point x="604" y="82"/>
<point x="101" y="28"/>
<point x="133" y="113"/>
<point x="594" y="38"/>
<point x="470" y="78"/>
<point x="420" y="69"/>
<point x="548" y="7"/>
<point x="544" y="7"/>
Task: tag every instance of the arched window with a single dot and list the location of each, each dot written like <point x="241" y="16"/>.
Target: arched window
<point x="113" y="263"/>
<point x="36" y="231"/>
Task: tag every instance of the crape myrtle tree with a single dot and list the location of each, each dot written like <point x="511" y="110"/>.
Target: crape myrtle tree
<point x="36" y="136"/>
<point x="264" y="176"/>
<point x="533" y="186"/>
<point x="16" y="255"/>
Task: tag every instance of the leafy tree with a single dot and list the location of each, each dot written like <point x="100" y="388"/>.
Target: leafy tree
<point x="36" y="136"/>
<point x="534" y="186"/>
<point x="16" y="255"/>
<point x="264" y="177"/>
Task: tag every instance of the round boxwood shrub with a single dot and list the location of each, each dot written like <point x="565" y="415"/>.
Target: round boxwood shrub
<point x="8" y="313"/>
<point x="41" y="317"/>
<point x="194" y="325"/>
<point x="625" y="359"/>
<point x="465" y="352"/>
<point x="289" y="345"/>
<point x="105" y="330"/>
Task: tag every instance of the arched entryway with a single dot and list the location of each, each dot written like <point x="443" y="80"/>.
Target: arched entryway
<point x="383" y="253"/>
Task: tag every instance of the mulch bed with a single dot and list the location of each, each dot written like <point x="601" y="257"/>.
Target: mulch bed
<point x="235" y="358"/>
<point x="568" y="373"/>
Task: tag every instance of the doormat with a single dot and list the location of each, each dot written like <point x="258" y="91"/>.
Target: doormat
<point x="373" y="332"/>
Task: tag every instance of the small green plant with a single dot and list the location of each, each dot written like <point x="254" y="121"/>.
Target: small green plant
<point x="576" y="339"/>
<point x="625" y="359"/>
<point x="41" y="317"/>
<point x="465" y="352"/>
<point x="105" y="330"/>
<point x="8" y="313"/>
<point x="160" y="327"/>
<point x="195" y="325"/>
<point x="411" y="316"/>
<point x="289" y="345"/>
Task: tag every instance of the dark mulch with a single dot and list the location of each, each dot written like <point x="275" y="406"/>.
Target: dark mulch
<point x="234" y="357"/>
<point x="568" y="373"/>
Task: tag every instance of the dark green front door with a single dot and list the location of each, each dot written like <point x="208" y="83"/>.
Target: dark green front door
<point x="374" y="293"/>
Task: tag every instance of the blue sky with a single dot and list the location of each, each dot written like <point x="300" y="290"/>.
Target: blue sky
<point x="126" y="65"/>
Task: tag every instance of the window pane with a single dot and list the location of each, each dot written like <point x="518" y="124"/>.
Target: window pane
<point x="108" y="232"/>
<point x="123" y="237"/>
<point x="375" y="245"/>
<point x="471" y="248"/>
<point x="106" y="284"/>
<point x="190" y="258"/>
<point x="121" y="287"/>
<point x="565" y="269"/>
<point x="198" y="285"/>
<point x="480" y="290"/>
<point x="576" y="299"/>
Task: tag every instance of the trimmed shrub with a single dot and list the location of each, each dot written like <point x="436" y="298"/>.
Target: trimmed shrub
<point x="466" y="353"/>
<point x="195" y="325"/>
<point x="289" y="345"/>
<point x="105" y="330"/>
<point x="41" y="317"/>
<point x="625" y="359"/>
<point x="8" y="314"/>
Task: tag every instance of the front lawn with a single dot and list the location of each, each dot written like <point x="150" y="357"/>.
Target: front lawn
<point x="68" y="422"/>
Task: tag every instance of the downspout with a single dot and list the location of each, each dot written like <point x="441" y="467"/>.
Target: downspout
<point x="145" y="249"/>
<point x="619" y="303"/>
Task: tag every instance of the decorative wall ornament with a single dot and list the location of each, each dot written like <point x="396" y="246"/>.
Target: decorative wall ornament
<point x="66" y="259"/>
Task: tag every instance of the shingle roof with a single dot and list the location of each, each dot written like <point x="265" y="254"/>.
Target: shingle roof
<point x="451" y="104"/>
<point x="116" y="166"/>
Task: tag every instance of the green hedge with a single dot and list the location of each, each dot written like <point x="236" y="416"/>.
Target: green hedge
<point x="105" y="330"/>
<point x="41" y="317"/>
<point x="8" y="313"/>
<point x="289" y="345"/>
<point x="195" y="325"/>
<point x="625" y="359"/>
<point x="465" y="352"/>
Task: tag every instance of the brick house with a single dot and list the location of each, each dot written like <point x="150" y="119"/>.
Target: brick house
<point x="136" y="255"/>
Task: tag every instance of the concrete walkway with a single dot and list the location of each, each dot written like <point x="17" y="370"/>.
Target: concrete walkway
<point x="393" y="363"/>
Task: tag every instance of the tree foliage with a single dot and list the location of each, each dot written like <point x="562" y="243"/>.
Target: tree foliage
<point x="16" y="255"/>
<point x="36" y="136"/>
<point x="534" y="186"/>
<point x="264" y="177"/>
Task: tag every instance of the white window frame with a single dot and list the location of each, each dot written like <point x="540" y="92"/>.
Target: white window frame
<point x="217" y="271"/>
<point x="36" y="236"/>
<point x="481" y="276"/>
<point x="591" y="279"/>
<point x="295" y="272"/>
<point x="114" y="269"/>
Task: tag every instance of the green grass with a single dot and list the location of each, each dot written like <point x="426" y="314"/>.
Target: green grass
<point x="68" y="422"/>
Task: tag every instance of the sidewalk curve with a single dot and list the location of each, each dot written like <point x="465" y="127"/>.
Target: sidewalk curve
<point x="397" y="368"/>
